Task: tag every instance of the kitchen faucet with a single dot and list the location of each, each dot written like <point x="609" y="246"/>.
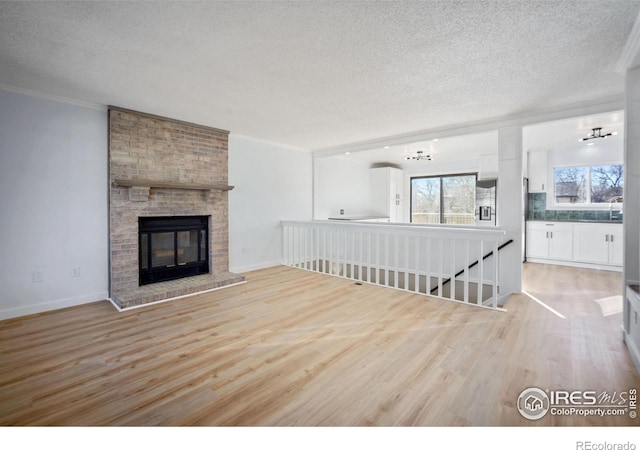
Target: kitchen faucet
<point x="612" y="200"/>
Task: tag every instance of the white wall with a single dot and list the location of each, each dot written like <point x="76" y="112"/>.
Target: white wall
<point x="272" y="183"/>
<point x="632" y="178"/>
<point x="510" y="208"/>
<point x="632" y="207"/>
<point x="343" y="183"/>
<point x="53" y="204"/>
<point x="340" y="183"/>
<point x="594" y="154"/>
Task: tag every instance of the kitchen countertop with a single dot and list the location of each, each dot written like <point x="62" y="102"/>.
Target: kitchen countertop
<point x="576" y="221"/>
<point x="358" y="217"/>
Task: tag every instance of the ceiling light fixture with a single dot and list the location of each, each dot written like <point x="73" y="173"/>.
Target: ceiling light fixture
<point x="420" y="156"/>
<point x="595" y="134"/>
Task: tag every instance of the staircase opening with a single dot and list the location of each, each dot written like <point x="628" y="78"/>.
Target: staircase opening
<point x="472" y="265"/>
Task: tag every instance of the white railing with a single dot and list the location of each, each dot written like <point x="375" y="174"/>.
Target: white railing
<point x="427" y="260"/>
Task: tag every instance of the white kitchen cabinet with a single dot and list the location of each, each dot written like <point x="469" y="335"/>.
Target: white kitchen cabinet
<point x="387" y="192"/>
<point x="616" y="246"/>
<point x="550" y="240"/>
<point x="537" y="171"/>
<point x="591" y="246"/>
<point x="560" y="243"/>
<point x="537" y="241"/>
<point x="578" y="244"/>
<point x="598" y="243"/>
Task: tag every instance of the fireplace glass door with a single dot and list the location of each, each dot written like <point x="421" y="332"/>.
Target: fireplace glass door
<point x="173" y="247"/>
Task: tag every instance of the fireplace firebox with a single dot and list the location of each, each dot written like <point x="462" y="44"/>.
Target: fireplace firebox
<point x="173" y="247"/>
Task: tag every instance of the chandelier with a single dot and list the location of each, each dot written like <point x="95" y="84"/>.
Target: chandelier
<point x="420" y="156"/>
<point x="595" y="134"/>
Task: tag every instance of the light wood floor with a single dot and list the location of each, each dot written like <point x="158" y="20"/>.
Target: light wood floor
<point x="291" y="347"/>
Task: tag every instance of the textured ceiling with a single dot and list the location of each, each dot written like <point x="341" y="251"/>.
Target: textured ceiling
<point x="319" y="74"/>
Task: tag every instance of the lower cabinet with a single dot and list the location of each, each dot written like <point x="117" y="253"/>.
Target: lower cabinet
<point x="584" y="243"/>
<point x="616" y="247"/>
<point x="550" y="240"/>
<point x="597" y="243"/>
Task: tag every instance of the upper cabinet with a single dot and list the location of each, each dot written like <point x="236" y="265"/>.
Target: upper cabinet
<point x="537" y="171"/>
<point x="387" y="192"/>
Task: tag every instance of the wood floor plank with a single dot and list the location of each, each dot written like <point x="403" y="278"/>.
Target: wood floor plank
<point x="295" y="348"/>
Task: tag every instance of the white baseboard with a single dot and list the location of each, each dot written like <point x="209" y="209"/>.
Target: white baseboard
<point x="50" y="306"/>
<point x="502" y="298"/>
<point x="575" y="264"/>
<point x="634" y="351"/>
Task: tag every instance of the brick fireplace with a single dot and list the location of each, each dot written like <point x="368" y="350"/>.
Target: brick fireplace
<point x="161" y="168"/>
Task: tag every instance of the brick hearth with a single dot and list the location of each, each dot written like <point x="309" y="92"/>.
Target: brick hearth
<point x="179" y="160"/>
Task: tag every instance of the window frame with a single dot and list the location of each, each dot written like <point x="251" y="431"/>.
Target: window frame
<point x="552" y="204"/>
<point x="441" y="222"/>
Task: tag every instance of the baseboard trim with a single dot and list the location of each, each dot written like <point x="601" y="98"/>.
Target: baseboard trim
<point x="502" y="298"/>
<point x="51" y="306"/>
<point x="556" y="262"/>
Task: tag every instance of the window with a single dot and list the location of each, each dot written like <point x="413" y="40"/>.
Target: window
<point x="444" y="199"/>
<point x="588" y="184"/>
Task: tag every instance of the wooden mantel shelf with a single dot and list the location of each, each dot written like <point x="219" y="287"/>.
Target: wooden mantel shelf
<point x="170" y="185"/>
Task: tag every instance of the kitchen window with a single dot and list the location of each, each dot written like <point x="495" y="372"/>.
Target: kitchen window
<point x="446" y="199"/>
<point x="588" y="185"/>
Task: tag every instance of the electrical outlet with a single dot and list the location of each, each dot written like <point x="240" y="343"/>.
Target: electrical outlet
<point x="75" y="272"/>
<point x="37" y="276"/>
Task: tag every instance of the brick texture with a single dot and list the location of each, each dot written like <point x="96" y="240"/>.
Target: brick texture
<point x="159" y="149"/>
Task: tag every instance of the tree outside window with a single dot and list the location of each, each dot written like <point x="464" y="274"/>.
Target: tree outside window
<point x="588" y="184"/>
<point x="606" y="183"/>
<point x="443" y="199"/>
<point x="571" y="184"/>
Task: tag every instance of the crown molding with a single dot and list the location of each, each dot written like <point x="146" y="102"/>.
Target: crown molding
<point x="584" y="108"/>
<point x="631" y="51"/>
<point x="55" y="98"/>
